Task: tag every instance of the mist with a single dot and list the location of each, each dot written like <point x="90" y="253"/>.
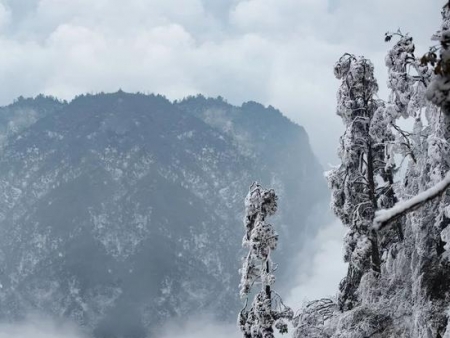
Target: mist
<point x="39" y="326"/>
<point x="325" y="267"/>
<point x="322" y="269"/>
<point x="200" y="327"/>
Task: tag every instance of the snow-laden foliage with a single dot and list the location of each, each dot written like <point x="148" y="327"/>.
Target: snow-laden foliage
<point x="386" y="215"/>
<point x="415" y="270"/>
<point x="407" y="78"/>
<point x="313" y="319"/>
<point x="408" y="294"/>
<point x="439" y="90"/>
<point x="362" y="182"/>
<point x="267" y="309"/>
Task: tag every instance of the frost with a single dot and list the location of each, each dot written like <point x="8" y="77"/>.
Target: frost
<point x="438" y="91"/>
<point x="362" y="181"/>
<point x="186" y="135"/>
<point x="383" y="216"/>
<point x="391" y="192"/>
<point x="267" y="309"/>
<point x="119" y="240"/>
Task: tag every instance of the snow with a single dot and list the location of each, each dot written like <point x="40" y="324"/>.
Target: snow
<point x="391" y="286"/>
<point x="383" y="216"/>
<point x="267" y="309"/>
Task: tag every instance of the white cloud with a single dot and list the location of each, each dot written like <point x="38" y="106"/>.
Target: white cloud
<point x="325" y="268"/>
<point x="278" y="52"/>
<point x="279" y="17"/>
<point x="39" y="327"/>
<point x="199" y="328"/>
<point x="5" y="16"/>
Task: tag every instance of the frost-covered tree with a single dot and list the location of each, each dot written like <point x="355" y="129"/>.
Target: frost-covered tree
<point x="267" y="310"/>
<point x="355" y="184"/>
<point x="407" y="81"/>
<point x="419" y="269"/>
<point x="439" y="90"/>
<point x="312" y="321"/>
<point x="409" y="295"/>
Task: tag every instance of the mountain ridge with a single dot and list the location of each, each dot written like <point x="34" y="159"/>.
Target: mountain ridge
<point x="121" y="211"/>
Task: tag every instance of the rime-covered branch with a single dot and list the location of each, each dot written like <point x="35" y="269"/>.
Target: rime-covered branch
<point x="438" y="91"/>
<point x="408" y="295"/>
<point x="383" y="217"/>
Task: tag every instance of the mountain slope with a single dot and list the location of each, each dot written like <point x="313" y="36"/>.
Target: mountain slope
<point x="121" y="211"/>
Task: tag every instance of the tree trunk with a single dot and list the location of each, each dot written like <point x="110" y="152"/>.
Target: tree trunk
<point x="372" y="235"/>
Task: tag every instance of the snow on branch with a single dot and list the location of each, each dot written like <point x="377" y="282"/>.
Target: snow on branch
<point x="383" y="217"/>
<point x="267" y="309"/>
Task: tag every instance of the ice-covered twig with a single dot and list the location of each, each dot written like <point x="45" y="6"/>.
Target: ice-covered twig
<point x="383" y="217"/>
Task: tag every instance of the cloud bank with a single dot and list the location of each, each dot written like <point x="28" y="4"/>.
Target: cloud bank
<point x="278" y="52"/>
<point x="36" y="326"/>
<point x="325" y="268"/>
<point x="199" y="328"/>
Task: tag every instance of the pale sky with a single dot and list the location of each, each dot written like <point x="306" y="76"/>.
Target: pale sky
<point x="277" y="52"/>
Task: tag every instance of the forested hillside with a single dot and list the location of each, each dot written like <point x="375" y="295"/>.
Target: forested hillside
<point x="121" y="211"/>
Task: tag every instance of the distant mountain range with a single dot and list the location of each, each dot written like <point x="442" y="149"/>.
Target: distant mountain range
<point x="121" y="211"/>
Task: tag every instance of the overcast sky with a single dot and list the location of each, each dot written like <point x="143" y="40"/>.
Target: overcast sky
<point x="278" y="52"/>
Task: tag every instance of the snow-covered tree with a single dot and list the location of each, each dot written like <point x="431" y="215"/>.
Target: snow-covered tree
<point x="267" y="310"/>
<point x="355" y="184"/>
<point x="409" y="295"/>
<point x="312" y="321"/>
<point x="439" y="90"/>
<point x="419" y="268"/>
<point x="391" y="191"/>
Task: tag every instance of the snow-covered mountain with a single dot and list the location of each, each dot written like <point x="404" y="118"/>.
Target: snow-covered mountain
<point x="120" y="211"/>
